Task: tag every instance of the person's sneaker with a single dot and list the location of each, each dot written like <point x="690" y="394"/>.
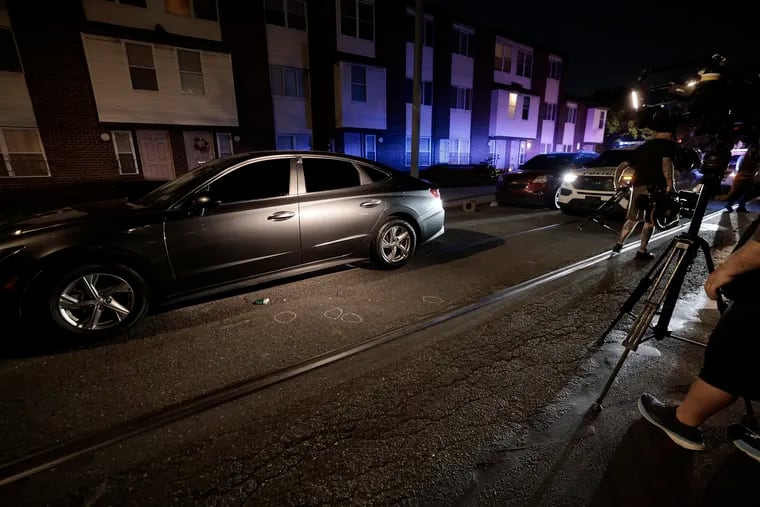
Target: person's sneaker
<point x="644" y="256"/>
<point x="664" y="417"/>
<point x="728" y="208"/>
<point x="745" y="440"/>
<point x="617" y="248"/>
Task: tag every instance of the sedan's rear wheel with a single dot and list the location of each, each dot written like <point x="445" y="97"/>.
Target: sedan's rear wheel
<point x="394" y="243"/>
<point x="96" y="301"/>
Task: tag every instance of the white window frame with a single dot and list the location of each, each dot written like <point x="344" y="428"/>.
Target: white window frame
<point x="455" y="155"/>
<point x="546" y="147"/>
<point x="192" y="11"/>
<point x="467" y="35"/>
<point x="602" y="118"/>
<point x="504" y="48"/>
<point x="285" y="13"/>
<point x="369" y="140"/>
<point x="351" y="77"/>
<point x="527" y="63"/>
<point x="152" y="56"/>
<point x="300" y="81"/>
<point x="554" y="69"/>
<point x="202" y="73"/>
<point x="219" y="135"/>
<point x="521" y="153"/>
<point x="356" y="18"/>
<point x="567" y="148"/>
<point x="572" y="114"/>
<point x="6" y="156"/>
<point x="512" y="105"/>
<point x="551" y="112"/>
<point x="408" y="152"/>
<point x="463" y="100"/>
<point x="525" y="108"/>
<point x="425" y="32"/>
<point x="117" y="152"/>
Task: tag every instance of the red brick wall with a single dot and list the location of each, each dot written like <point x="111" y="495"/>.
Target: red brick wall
<point x="59" y="85"/>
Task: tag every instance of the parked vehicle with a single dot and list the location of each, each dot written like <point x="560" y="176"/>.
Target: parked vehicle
<point x="584" y="190"/>
<point x="96" y="269"/>
<point x="537" y="182"/>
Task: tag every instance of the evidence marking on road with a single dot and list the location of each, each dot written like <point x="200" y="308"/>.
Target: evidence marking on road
<point x="67" y="451"/>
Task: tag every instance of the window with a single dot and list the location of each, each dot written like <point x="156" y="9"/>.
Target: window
<point x="287" y="13"/>
<point x="360" y="145"/>
<point x="551" y="112"/>
<point x="124" y="147"/>
<point x="259" y="180"/>
<point x="21" y="150"/>
<point x="425" y="154"/>
<point x="190" y="72"/>
<point x="428" y="30"/>
<point x="370" y="147"/>
<point x="602" y="117"/>
<point x="546" y="147"/>
<point x="463" y="41"/>
<point x="224" y="144"/>
<point x="512" y="107"/>
<point x="142" y="72"/>
<point x="287" y="82"/>
<point x="294" y="142"/>
<point x="358" y="83"/>
<point x="135" y="3"/>
<point x="203" y="9"/>
<point x="321" y="174"/>
<point x="572" y="114"/>
<point x="357" y="19"/>
<point x="554" y="69"/>
<point x="9" y="59"/>
<point x="374" y="173"/>
<point x="454" y="151"/>
<point x="524" y="63"/>
<point x="427" y="92"/>
<point x="503" y="58"/>
<point x="462" y="98"/>
<point x="567" y="148"/>
<point x="521" y="153"/>
<point x="526" y="108"/>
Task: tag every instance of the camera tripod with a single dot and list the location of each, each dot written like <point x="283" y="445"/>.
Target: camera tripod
<point x="603" y="211"/>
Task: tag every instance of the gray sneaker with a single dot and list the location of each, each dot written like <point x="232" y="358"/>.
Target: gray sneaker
<point x="664" y="417"/>
<point x="745" y="439"/>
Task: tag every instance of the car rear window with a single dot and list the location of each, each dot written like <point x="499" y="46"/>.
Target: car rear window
<point x="322" y="174"/>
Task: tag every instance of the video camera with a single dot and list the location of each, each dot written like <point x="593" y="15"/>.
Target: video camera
<point x="718" y="104"/>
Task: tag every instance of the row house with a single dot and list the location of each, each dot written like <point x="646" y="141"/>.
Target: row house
<point x="117" y="90"/>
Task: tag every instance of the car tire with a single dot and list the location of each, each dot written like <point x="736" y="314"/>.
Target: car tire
<point x="94" y="301"/>
<point x="394" y="244"/>
<point x="554" y="204"/>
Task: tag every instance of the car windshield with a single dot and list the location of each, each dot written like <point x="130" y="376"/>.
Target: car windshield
<point x="178" y="187"/>
<point x="610" y="158"/>
<point x="548" y="162"/>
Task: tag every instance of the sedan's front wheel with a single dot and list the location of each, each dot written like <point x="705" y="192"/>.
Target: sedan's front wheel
<point x="394" y="243"/>
<point x="96" y="301"/>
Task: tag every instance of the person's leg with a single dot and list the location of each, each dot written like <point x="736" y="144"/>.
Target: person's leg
<point x="701" y="402"/>
<point x="646" y="235"/>
<point x="627" y="229"/>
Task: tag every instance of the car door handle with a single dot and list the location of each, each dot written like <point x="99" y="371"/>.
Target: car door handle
<point x="371" y="203"/>
<point x="279" y="216"/>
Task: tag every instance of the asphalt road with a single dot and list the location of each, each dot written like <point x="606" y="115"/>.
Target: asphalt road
<point x="485" y="409"/>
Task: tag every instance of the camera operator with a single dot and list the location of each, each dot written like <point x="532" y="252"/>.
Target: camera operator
<point x="742" y="186"/>
<point x="653" y="172"/>
<point x="729" y="370"/>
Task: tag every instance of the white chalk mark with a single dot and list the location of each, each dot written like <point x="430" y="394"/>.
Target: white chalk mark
<point x="235" y="324"/>
<point x="352" y="317"/>
<point x="285" y="317"/>
<point x="433" y="300"/>
<point x="334" y="313"/>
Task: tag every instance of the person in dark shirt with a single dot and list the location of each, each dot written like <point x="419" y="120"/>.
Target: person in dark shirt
<point x="741" y="189"/>
<point x="653" y="170"/>
<point x="729" y="369"/>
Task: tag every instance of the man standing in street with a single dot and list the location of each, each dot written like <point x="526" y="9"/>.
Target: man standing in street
<point x="653" y="171"/>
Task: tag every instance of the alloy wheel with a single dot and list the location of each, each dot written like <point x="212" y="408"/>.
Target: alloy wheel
<point x="96" y="301"/>
<point x="395" y="244"/>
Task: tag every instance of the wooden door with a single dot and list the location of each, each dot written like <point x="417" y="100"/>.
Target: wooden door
<point x="156" y="154"/>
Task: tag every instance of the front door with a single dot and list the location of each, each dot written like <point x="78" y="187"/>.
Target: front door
<point x="251" y="231"/>
<point x="500" y="153"/>
<point x="156" y="154"/>
<point x="199" y="148"/>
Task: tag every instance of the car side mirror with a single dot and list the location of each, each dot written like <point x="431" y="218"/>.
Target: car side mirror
<point x="205" y="200"/>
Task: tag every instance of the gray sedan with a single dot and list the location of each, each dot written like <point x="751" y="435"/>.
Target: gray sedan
<point x="94" y="270"/>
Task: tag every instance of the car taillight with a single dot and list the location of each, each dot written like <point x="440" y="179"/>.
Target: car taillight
<point x="435" y="193"/>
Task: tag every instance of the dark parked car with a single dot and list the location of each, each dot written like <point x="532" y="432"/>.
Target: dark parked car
<point x="537" y="181"/>
<point x="94" y="270"/>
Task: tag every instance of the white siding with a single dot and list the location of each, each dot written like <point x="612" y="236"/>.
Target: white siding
<point x="510" y="77"/>
<point x="547" y="131"/>
<point x="148" y="18"/>
<point x="426" y="120"/>
<point x="287" y="47"/>
<point x="552" y="91"/>
<point x="118" y="102"/>
<point x="502" y="125"/>
<point x="461" y="70"/>
<point x="568" y="134"/>
<point x="593" y="134"/>
<point x="460" y="124"/>
<point x="370" y="114"/>
<point x="15" y="104"/>
<point x="291" y="115"/>
<point x="356" y="46"/>
<point x="427" y="62"/>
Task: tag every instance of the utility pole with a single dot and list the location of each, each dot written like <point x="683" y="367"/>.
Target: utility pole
<point x="419" y="16"/>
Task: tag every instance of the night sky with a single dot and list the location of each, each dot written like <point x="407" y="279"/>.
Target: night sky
<point x="608" y="44"/>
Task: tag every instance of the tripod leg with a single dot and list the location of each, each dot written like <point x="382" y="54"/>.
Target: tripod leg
<point x="677" y="278"/>
<point x="613" y="375"/>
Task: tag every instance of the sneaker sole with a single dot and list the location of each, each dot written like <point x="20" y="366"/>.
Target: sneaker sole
<point x="675" y="437"/>
<point x="747" y="449"/>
